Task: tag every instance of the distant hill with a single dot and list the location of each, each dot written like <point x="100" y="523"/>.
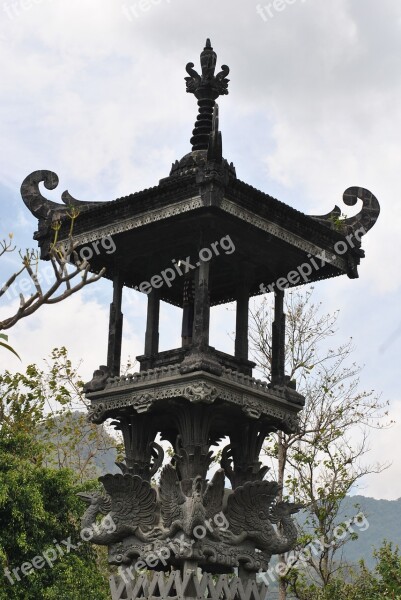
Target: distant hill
<point x="384" y="518"/>
<point x="382" y="521"/>
<point x="80" y="446"/>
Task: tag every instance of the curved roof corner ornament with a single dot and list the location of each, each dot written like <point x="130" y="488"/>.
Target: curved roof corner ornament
<point x="369" y="214"/>
<point x="41" y="207"/>
<point x="361" y="222"/>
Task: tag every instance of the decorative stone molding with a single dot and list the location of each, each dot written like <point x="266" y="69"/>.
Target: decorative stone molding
<point x="278" y="232"/>
<point x="261" y="401"/>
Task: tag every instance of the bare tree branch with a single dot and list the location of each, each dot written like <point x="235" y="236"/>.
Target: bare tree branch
<point x="65" y="281"/>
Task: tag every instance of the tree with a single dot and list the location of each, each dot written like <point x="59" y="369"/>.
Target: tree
<point x="321" y="463"/>
<point x="39" y="508"/>
<point x="65" y="282"/>
<point x="56" y="394"/>
<point x="383" y="583"/>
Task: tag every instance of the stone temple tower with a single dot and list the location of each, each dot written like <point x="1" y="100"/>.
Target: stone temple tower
<point x="199" y="238"/>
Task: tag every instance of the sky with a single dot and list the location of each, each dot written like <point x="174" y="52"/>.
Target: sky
<point x="95" y="91"/>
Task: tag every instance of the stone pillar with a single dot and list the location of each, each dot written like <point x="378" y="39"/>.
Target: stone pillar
<point x="242" y="321"/>
<point x="187" y="312"/>
<point x="278" y="340"/>
<point x="152" y="324"/>
<point x="115" y="327"/>
<point x="200" y="337"/>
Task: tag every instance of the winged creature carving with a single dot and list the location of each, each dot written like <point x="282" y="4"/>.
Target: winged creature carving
<point x="184" y="513"/>
<point x="252" y="515"/>
<point x="131" y="504"/>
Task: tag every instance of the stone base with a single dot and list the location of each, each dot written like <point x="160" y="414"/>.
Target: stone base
<point x="159" y="586"/>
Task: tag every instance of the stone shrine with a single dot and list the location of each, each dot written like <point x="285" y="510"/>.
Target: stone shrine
<point x="200" y="238"/>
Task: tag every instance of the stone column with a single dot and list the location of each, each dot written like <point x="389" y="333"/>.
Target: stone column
<point x="187" y="312"/>
<point x="200" y="336"/>
<point x="278" y="340"/>
<point x="242" y="320"/>
<point x="152" y="324"/>
<point x="115" y="327"/>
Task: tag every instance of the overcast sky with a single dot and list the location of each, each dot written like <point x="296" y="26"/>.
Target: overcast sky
<point x="94" y="90"/>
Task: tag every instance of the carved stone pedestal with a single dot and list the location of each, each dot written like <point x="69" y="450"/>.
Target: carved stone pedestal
<point x="184" y="521"/>
<point x="178" y="587"/>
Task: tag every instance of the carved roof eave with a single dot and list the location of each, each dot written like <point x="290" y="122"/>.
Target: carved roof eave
<point x="142" y="392"/>
<point x="47" y="211"/>
<point x="327" y="229"/>
<point x="341" y="227"/>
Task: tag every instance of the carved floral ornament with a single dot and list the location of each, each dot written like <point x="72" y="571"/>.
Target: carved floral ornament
<point x="201" y="392"/>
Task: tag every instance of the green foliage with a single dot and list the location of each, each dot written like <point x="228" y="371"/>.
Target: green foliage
<point x="38" y="505"/>
<point x="3" y="344"/>
<point x="338" y="222"/>
<point x="383" y="583"/>
<point x="55" y="396"/>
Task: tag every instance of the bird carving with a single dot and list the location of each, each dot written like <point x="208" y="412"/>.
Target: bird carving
<point x="184" y="513"/>
<point x="130" y="504"/>
<point x="252" y="515"/>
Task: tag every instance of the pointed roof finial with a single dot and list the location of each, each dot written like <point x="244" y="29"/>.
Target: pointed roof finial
<point x="206" y="88"/>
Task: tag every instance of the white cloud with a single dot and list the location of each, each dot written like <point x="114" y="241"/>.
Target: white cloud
<point x="79" y="324"/>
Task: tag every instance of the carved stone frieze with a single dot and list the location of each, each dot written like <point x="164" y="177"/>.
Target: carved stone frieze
<point x="139" y="220"/>
<point x="144" y="391"/>
<point x="175" y="523"/>
<point x="201" y="392"/>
